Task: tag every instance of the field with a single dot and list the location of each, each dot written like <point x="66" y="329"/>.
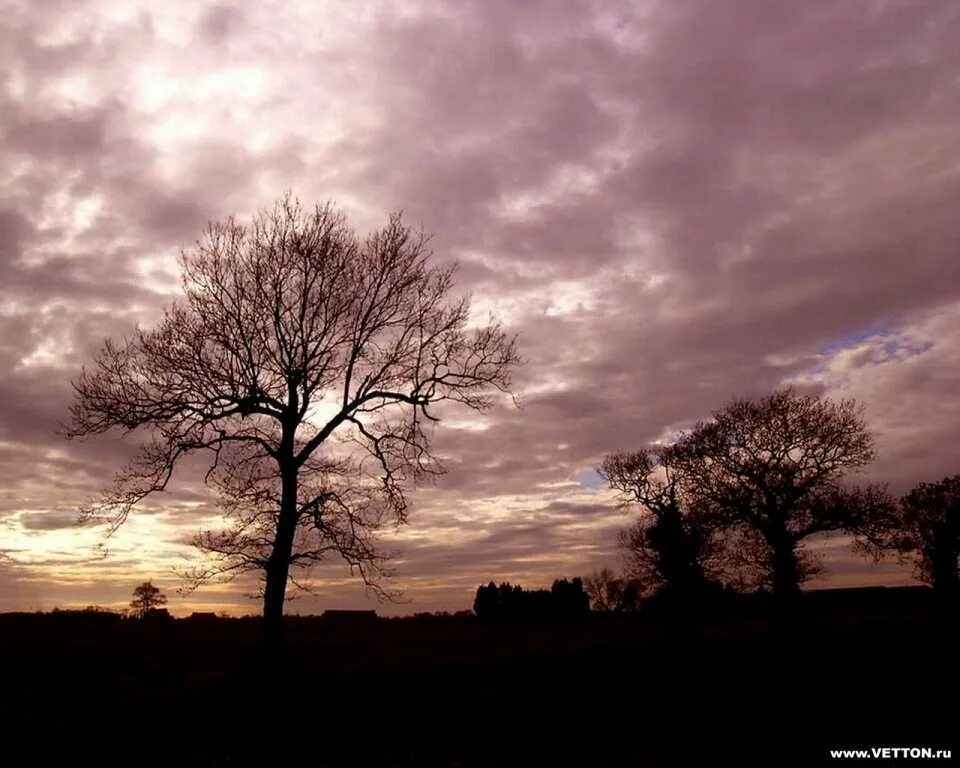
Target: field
<point x="871" y="670"/>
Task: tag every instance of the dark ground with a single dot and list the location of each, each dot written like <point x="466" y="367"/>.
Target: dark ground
<point x="875" y="670"/>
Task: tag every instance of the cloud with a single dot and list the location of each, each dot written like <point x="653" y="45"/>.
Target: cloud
<point x="671" y="204"/>
<point x="48" y="520"/>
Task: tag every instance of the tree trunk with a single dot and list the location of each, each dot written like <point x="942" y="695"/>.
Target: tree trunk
<point x="945" y="578"/>
<point x="278" y="568"/>
<point x="786" y="577"/>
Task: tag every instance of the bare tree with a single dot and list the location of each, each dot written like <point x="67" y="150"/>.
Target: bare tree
<point x="309" y="364"/>
<point x="610" y="593"/>
<point x="146" y="598"/>
<point x="924" y="527"/>
<point x="673" y="545"/>
<point x="772" y="468"/>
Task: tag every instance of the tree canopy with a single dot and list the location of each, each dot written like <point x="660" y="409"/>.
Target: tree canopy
<point x="772" y="468"/>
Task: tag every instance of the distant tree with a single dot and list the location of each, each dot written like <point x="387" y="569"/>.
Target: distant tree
<point x="487" y="601"/>
<point x="308" y="364"/>
<point x="569" y="598"/>
<point x="565" y="599"/>
<point x="673" y="549"/>
<point x="771" y="468"/>
<point x="609" y="593"/>
<point x="146" y="598"/>
<point x="924" y="527"/>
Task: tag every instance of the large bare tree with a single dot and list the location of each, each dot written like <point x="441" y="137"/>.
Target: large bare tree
<point x="309" y="364"/>
<point x="772" y="467"/>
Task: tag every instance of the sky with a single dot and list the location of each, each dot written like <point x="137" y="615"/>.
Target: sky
<point x="670" y="203"/>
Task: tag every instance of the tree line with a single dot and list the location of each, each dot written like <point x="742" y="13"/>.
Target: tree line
<point x="564" y="599"/>
<point x="735" y="501"/>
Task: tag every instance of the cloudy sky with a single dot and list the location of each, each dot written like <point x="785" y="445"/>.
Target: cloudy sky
<point x="672" y="203"/>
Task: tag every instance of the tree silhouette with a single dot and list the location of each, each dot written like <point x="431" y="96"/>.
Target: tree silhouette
<point x="672" y="546"/>
<point x="771" y="469"/>
<point x="925" y="527"/>
<point x="146" y="598"/>
<point x="569" y="597"/>
<point x="308" y="363"/>
<point x="564" y="600"/>
<point x="610" y="594"/>
<point x="486" y="603"/>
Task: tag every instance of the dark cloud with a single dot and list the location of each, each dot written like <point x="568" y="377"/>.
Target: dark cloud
<point x="219" y="22"/>
<point x="50" y="520"/>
